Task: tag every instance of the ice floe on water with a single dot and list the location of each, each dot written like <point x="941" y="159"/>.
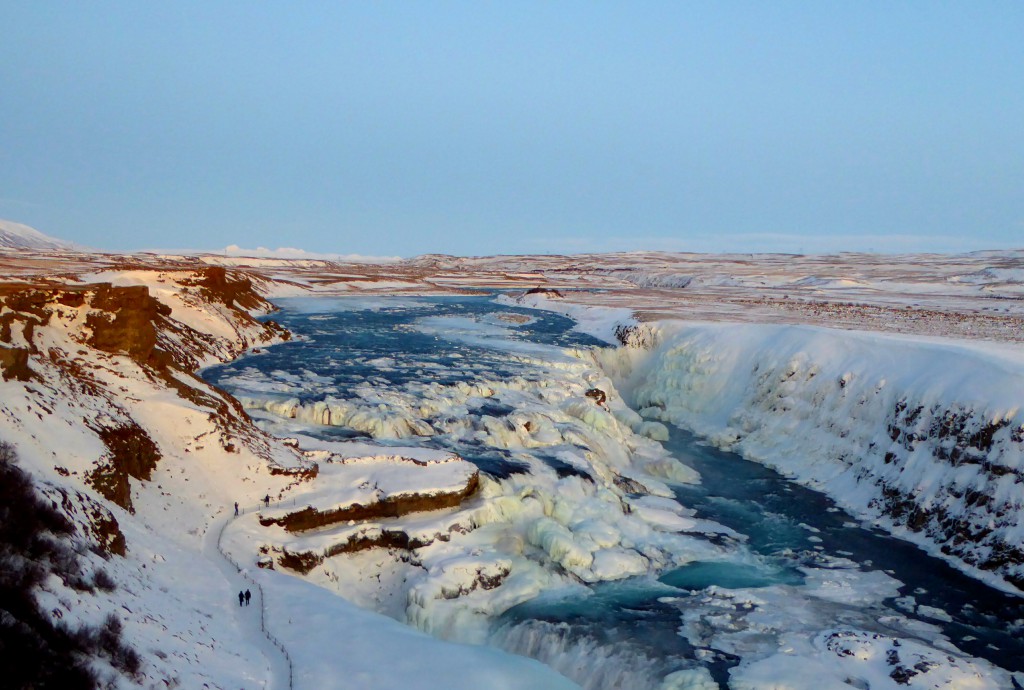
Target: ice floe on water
<point x="557" y="551"/>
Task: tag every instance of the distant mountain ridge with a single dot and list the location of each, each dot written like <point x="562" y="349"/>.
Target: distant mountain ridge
<point x="19" y="236"/>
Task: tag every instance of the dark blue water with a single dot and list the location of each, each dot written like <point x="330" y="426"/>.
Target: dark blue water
<point x="343" y="346"/>
<point x="785" y="525"/>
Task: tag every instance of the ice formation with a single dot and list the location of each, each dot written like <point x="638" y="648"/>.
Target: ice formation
<point x="925" y="436"/>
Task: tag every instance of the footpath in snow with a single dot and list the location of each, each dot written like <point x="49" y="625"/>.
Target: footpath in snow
<point x="250" y="618"/>
<point x="317" y="640"/>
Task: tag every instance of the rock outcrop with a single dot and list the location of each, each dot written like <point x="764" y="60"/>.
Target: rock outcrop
<point x="393" y="506"/>
<point x="131" y="453"/>
<point x="73" y="341"/>
<point x="14" y="364"/>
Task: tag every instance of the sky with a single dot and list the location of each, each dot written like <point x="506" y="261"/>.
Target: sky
<point x="472" y="128"/>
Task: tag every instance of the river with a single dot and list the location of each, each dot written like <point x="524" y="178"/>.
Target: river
<point x="800" y="564"/>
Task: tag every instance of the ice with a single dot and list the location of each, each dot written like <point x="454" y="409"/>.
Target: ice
<point x="843" y="658"/>
<point x="689" y="679"/>
<point x="559" y="544"/>
<point x="566" y="520"/>
<point x="878" y="422"/>
<point x="851" y="586"/>
<point x="329" y="305"/>
<point x="593" y="664"/>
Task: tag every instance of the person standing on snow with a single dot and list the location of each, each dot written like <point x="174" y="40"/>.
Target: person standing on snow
<point x="248" y="596"/>
<point x="241" y="598"/>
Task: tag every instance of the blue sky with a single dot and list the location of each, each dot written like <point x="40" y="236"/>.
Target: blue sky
<point x="516" y="127"/>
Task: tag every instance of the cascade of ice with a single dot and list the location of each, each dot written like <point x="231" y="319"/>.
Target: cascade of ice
<point x="926" y="438"/>
<point x="597" y="665"/>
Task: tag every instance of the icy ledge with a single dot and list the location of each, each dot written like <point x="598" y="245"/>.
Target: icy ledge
<point x="924" y="436"/>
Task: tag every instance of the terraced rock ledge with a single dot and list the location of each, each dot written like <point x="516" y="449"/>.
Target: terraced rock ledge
<point x="353" y="502"/>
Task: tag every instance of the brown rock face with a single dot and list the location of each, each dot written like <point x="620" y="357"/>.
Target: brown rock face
<point x="388" y="507"/>
<point x="304" y="561"/>
<point x="219" y="287"/>
<point x="547" y="292"/>
<point x="965" y="521"/>
<point x="126" y="322"/>
<point x="300" y="562"/>
<point x="14" y="364"/>
<point x="131" y="453"/>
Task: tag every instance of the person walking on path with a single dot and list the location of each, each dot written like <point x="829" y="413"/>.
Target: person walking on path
<point x="241" y="598"/>
<point x="248" y="595"/>
<point x="236" y="508"/>
<point x="266" y="500"/>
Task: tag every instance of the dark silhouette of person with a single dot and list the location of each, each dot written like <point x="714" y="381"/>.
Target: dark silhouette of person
<point x="236" y="507"/>
<point x="241" y="598"/>
<point x="266" y="500"/>
<point x="248" y="596"/>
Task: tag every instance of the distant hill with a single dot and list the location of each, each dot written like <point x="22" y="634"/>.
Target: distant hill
<point x="18" y="236"/>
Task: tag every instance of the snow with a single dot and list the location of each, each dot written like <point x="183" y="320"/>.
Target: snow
<point x="293" y="253"/>
<point x="809" y="637"/>
<point x="839" y="659"/>
<point x="175" y="593"/>
<point x="368" y="480"/>
<point x="849" y="413"/>
<point x="532" y="531"/>
<point x="335" y="644"/>
<point x="599" y="322"/>
<point x="517" y="536"/>
<point x="188" y="307"/>
<point x="19" y="236"/>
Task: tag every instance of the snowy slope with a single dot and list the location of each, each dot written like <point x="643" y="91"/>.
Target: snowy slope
<point x="18" y="236"/>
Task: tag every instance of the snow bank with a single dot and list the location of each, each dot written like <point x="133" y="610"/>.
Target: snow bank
<point x="599" y="322"/>
<point x="335" y="644"/>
